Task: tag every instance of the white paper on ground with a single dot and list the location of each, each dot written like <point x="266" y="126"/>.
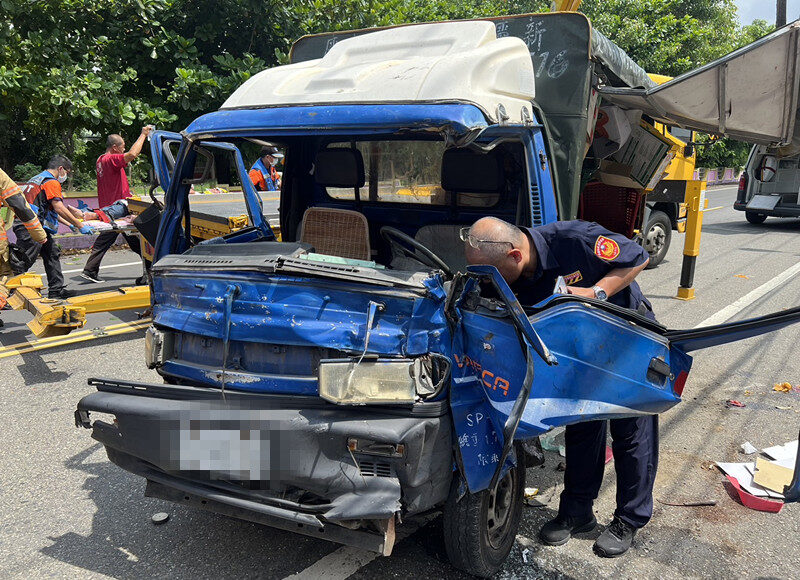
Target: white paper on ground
<point x="748" y="448"/>
<point x="782" y="452"/>
<point x="743" y="473"/>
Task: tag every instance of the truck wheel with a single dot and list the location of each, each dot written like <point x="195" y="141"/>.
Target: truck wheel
<point x="657" y="235"/>
<point x="755" y="218"/>
<point x="479" y="530"/>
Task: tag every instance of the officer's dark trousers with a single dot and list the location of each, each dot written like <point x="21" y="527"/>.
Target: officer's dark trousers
<point x="635" y="448"/>
<point x="50" y="257"/>
<point x="101" y="245"/>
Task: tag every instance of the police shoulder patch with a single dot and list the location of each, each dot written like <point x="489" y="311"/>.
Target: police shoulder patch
<point x="606" y="248"/>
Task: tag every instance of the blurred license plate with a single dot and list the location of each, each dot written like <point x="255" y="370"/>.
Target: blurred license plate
<point x="230" y="453"/>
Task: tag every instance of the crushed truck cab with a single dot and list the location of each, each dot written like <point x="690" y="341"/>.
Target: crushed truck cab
<point x="357" y="372"/>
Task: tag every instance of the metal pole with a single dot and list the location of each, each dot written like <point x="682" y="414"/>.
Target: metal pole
<point x="780" y="13"/>
<point x="695" y="203"/>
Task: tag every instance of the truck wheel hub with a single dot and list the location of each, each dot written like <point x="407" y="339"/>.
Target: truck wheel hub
<point x="498" y="516"/>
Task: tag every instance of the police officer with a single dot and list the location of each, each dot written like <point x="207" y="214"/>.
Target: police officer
<point x="595" y="263"/>
<point x="263" y="173"/>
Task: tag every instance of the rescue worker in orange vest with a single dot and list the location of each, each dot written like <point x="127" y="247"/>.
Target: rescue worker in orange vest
<point x="263" y="173"/>
<point x="11" y="198"/>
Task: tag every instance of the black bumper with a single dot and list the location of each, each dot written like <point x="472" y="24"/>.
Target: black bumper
<point x="779" y="211"/>
<point x="282" y="461"/>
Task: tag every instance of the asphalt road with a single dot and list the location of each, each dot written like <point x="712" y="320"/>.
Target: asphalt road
<point x="67" y="511"/>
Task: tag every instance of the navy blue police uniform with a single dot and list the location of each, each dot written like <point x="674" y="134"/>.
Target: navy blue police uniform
<point x="583" y="253"/>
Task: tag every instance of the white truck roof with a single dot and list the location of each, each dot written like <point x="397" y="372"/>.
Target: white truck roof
<point x="448" y="61"/>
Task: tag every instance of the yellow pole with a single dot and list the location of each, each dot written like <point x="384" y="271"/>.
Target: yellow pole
<point x="695" y="204"/>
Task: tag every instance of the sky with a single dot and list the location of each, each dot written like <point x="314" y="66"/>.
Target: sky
<point x="750" y="10"/>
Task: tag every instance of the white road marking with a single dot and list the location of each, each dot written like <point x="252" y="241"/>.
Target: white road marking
<point x="337" y="565"/>
<point x="733" y="309"/>
<point x="139" y="263"/>
<point x="346" y="561"/>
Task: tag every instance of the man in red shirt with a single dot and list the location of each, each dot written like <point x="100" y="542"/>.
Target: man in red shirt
<point x="112" y="185"/>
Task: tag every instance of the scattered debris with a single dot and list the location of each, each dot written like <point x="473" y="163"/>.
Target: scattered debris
<point x="525" y="553"/>
<point x="753" y="502"/>
<point x="609" y="454"/>
<point x="733" y="403"/>
<point x="771" y="475"/>
<point x="743" y="474"/>
<point x="748" y="448"/>
<point x="708" y="465"/>
<point x="689" y="502"/>
<point x="561" y="466"/>
<point x="548" y="442"/>
<point x="781" y="453"/>
<point x="160" y="518"/>
<point x="747" y="393"/>
<point x="782" y="387"/>
<point x="529" y="497"/>
<point x="741" y="276"/>
<point x="783" y="408"/>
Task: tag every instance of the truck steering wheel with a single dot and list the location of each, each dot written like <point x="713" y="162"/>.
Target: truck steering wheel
<point x="400" y="242"/>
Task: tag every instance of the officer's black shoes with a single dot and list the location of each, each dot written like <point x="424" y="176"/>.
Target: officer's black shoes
<point x="615" y="539"/>
<point x="559" y="530"/>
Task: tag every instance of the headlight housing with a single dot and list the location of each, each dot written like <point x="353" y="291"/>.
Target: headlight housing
<point x="157" y="347"/>
<point x="381" y="381"/>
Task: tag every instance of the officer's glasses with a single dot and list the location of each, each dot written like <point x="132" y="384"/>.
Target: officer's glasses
<point x="476" y="242"/>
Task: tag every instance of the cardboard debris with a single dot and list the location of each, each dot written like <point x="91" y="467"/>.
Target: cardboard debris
<point x="743" y="473"/>
<point x="772" y="475"/>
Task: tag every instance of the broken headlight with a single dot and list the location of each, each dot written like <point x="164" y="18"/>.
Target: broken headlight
<point x="157" y="347"/>
<point x="372" y="381"/>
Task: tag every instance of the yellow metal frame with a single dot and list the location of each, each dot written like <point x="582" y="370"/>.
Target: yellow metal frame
<point x="81" y="336"/>
<point x="59" y="317"/>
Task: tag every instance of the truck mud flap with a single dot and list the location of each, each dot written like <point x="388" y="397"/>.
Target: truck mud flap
<point x="708" y="336"/>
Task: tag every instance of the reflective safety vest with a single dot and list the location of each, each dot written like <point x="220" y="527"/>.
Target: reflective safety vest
<point x="40" y="204"/>
<point x="270" y="175"/>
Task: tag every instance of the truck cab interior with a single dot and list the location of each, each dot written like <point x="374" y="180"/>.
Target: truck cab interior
<point x="390" y="202"/>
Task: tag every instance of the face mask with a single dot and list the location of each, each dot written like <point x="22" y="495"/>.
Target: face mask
<point x="62" y="178"/>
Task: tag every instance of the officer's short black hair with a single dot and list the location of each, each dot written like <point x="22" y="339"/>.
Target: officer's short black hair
<point x="57" y="161"/>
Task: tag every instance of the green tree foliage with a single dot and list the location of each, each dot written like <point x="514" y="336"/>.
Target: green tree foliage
<point x="71" y="68"/>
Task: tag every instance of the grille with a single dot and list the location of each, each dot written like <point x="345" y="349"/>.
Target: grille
<point x="375" y="468"/>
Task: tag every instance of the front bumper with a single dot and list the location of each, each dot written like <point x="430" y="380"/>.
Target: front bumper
<point x="282" y="461"/>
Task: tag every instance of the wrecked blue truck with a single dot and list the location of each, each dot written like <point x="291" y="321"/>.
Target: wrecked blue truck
<point x="357" y="373"/>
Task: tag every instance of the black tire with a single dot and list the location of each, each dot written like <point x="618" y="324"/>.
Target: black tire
<point x="755" y="218"/>
<point x="656" y="238"/>
<point x="475" y="542"/>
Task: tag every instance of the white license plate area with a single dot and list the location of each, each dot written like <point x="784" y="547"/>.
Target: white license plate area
<point x="241" y="454"/>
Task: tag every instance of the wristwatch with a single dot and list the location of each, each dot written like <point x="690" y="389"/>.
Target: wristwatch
<point x="599" y="293"/>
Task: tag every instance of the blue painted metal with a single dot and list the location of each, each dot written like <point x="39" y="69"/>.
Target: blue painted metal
<point x="358" y="119"/>
<point x="602" y="374"/>
<point x="158" y="140"/>
<point x="284" y="310"/>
